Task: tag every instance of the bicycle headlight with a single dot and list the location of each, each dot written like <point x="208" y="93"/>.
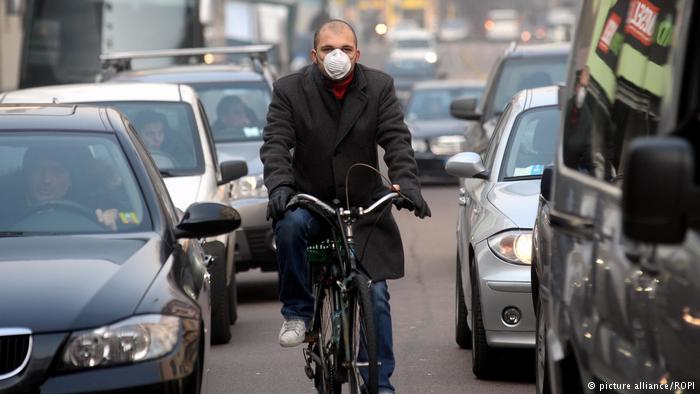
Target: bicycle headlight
<point x="135" y="339"/>
<point x="513" y="246"/>
<point x="248" y="187"/>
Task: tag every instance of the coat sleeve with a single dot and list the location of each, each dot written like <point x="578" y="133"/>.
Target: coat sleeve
<point x="278" y="139"/>
<point x="395" y="138"/>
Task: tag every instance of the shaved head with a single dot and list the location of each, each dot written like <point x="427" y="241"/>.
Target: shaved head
<point x="337" y="26"/>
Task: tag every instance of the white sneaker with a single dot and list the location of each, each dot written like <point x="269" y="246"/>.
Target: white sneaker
<point x="293" y="333"/>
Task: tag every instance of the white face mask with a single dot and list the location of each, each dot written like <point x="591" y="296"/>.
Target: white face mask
<point x="337" y="64"/>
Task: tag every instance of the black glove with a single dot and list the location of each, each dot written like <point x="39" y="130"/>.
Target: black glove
<point x="417" y="204"/>
<point x="278" y="202"/>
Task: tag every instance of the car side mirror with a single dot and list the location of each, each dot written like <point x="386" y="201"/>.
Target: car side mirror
<point x="207" y="219"/>
<point x="232" y="170"/>
<point x="546" y="183"/>
<point x="465" y="108"/>
<point x="466" y="165"/>
<point x="659" y="195"/>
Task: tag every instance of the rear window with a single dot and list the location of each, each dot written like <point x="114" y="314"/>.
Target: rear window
<point x="65" y="183"/>
<point x="427" y="104"/>
<point x="236" y="110"/>
<point x="170" y="133"/>
<point x="526" y="73"/>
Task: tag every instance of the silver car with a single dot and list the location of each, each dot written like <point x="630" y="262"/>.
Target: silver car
<point x="497" y="206"/>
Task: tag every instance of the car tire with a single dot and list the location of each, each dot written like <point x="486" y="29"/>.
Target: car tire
<point x="483" y="356"/>
<point x="541" y="354"/>
<point x="220" y="320"/>
<point x="463" y="334"/>
<point x="233" y="298"/>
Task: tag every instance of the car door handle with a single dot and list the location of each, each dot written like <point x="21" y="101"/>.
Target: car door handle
<point x="573" y="224"/>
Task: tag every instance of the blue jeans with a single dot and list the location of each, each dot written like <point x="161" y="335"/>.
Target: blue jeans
<point x="292" y="235"/>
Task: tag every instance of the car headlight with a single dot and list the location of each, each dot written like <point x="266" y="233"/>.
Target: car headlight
<point x="447" y="145"/>
<point x="431" y="57"/>
<point x="248" y="187"/>
<point x="135" y="339"/>
<point x="419" y="145"/>
<point x="513" y="246"/>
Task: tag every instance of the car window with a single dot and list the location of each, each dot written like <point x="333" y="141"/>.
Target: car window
<point x="430" y="104"/>
<point x="399" y="68"/>
<point x="65" y="183"/>
<point x="525" y="73"/>
<point x="531" y="144"/>
<point x="236" y="110"/>
<point x="412" y="44"/>
<point x="620" y="80"/>
<point x="170" y="133"/>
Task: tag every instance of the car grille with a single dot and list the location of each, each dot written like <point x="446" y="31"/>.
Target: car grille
<point x="15" y="348"/>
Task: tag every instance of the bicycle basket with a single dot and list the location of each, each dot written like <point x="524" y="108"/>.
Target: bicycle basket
<point x="320" y="252"/>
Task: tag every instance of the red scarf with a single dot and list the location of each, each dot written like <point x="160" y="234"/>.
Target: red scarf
<point x="339" y="88"/>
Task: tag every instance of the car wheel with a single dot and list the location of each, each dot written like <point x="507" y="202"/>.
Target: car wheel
<point x="542" y="372"/>
<point x="483" y="356"/>
<point x="220" y="320"/>
<point x="463" y="334"/>
<point x="233" y="298"/>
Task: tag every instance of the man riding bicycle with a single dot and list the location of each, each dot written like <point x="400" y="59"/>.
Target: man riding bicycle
<point x="322" y="120"/>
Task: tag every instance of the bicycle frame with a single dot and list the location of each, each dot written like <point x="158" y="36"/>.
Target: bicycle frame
<point x="341" y="274"/>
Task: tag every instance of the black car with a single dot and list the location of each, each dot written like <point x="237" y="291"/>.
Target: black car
<point x="520" y="67"/>
<point x="103" y="285"/>
<point x="435" y="135"/>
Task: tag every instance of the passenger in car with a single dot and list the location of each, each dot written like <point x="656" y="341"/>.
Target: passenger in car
<point x="233" y="117"/>
<point x="160" y="139"/>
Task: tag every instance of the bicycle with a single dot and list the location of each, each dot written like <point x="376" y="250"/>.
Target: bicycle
<point x="343" y="313"/>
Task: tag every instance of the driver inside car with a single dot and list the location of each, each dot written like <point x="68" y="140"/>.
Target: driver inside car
<point x="51" y="176"/>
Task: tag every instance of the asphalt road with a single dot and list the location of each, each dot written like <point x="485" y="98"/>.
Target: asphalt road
<point x="427" y="357"/>
<point x="423" y="302"/>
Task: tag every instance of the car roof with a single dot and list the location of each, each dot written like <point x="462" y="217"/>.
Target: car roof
<point x="449" y="83"/>
<point x="538" y="97"/>
<point x="193" y="74"/>
<point x="95" y="92"/>
<point x="55" y="117"/>
<point x="535" y="50"/>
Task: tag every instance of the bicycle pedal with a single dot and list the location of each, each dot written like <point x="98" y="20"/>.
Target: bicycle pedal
<point x="309" y="372"/>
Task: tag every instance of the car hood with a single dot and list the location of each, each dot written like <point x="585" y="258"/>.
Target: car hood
<point x="73" y="282"/>
<point x="248" y="151"/>
<point x="437" y="127"/>
<point x="517" y="200"/>
<point x="183" y="190"/>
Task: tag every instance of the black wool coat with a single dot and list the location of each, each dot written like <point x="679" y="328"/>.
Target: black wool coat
<point x="327" y="137"/>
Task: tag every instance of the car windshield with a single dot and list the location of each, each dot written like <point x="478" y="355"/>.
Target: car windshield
<point x="236" y="110"/>
<point x="416" y="43"/>
<point x="431" y="104"/>
<point x="526" y="73"/>
<point x="169" y="132"/>
<point x="531" y="144"/>
<point x="67" y="183"/>
<point x="410" y="68"/>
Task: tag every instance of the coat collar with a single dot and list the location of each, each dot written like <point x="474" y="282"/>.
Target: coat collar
<point x="353" y="105"/>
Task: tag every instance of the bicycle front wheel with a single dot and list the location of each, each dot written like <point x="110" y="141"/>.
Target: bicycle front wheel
<point x="363" y="339"/>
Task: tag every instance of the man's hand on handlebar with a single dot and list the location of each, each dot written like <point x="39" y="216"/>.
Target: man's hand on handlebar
<point x="416" y="204"/>
<point x="279" y="197"/>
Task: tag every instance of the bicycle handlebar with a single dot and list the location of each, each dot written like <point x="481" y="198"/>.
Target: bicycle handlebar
<point x="343" y="212"/>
